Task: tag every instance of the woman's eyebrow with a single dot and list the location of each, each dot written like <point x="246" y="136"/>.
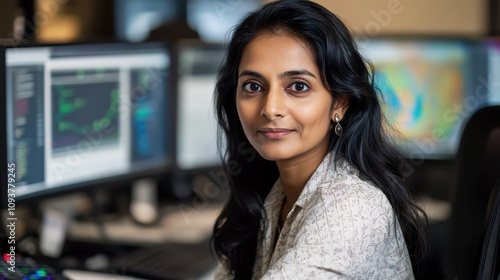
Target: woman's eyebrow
<point x="296" y="73"/>
<point x="282" y="75"/>
<point x="251" y="73"/>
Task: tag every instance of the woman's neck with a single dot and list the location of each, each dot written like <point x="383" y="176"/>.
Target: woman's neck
<point x="295" y="172"/>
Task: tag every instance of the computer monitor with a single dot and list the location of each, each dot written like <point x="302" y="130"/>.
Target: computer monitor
<point x="427" y="87"/>
<point x="197" y="165"/>
<point x="196" y="124"/>
<point x="83" y="115"/>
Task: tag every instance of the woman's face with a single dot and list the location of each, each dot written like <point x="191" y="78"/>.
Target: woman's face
<point x="283" y="106"/>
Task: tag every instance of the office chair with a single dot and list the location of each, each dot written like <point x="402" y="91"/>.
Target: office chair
<point x="478" y="167"/>
<point x="488" y="259"/>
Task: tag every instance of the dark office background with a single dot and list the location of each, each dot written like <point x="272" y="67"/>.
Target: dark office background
<point x="93" y="20"/>
<point x="50" y="21"/>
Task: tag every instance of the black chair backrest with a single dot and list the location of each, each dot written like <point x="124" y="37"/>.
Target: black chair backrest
<point x="478" y="168"/>
<point x="488" y="259"/>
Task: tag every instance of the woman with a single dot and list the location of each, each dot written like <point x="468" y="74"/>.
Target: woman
<point x="319" y="194"/>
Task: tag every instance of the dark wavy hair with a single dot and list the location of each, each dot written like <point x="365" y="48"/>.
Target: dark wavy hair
<point x="364" y="144"/>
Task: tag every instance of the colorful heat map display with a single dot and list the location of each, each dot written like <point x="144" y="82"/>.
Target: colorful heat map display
<point x="423" y="87"/>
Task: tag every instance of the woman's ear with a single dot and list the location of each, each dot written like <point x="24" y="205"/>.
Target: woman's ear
<point x="340" y="106"/>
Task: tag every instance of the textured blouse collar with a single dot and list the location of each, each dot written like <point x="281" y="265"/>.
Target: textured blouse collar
<point x="323" y="175"/>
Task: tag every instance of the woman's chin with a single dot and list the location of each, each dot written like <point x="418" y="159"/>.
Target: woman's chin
<point x="273" y="155"/>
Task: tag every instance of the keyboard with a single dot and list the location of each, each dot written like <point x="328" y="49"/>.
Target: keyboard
<point x="28" y="269"/>
<point x="167" y="261"/>
<point x="161" y="262"/>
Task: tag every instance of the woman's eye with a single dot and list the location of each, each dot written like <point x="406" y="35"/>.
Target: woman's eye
<point x="299" y="87"/>
<point x="252" y="87"/>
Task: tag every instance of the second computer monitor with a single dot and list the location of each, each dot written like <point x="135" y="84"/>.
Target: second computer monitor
<point x="196" y="123"/>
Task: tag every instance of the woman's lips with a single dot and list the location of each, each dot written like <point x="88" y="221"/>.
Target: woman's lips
<point x="275" y="133"/>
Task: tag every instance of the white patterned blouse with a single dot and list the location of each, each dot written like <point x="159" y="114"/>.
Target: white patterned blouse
<point x="340" y="227"/>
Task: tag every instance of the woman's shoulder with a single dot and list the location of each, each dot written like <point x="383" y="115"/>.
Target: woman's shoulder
<point x="346" y="184"/>
<point x="338" y="195"/>
<point x="347" y="195"/>
<point x="351" y="223"/>
<point x="352" y="209"/>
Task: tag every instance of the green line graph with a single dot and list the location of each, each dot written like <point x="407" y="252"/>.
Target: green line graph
<point x="79" y="109"/>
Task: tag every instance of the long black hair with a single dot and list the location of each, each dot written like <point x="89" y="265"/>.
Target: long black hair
<point x="364" y="144"/>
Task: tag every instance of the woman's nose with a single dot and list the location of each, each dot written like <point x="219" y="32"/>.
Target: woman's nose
<point x="274" y="104"/>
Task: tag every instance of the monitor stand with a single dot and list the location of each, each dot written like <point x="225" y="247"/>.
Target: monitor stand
<point x="57" y="213"/>
<point x="144" y="202"/>
<point x="53" y="232"/>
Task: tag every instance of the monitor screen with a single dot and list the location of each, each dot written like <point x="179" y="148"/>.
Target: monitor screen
<point x="81" y="114"/>
<point x="196" y="123"/>
<point x="494" y="72"/>
<point x="425" y="86"/>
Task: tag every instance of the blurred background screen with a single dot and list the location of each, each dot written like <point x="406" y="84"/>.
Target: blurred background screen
<point x="424" y="86"/>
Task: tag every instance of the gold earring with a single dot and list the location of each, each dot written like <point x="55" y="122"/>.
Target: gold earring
<point x="338" y="128"/>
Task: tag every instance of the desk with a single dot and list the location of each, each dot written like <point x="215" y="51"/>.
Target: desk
<point x="179" y="223"/>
